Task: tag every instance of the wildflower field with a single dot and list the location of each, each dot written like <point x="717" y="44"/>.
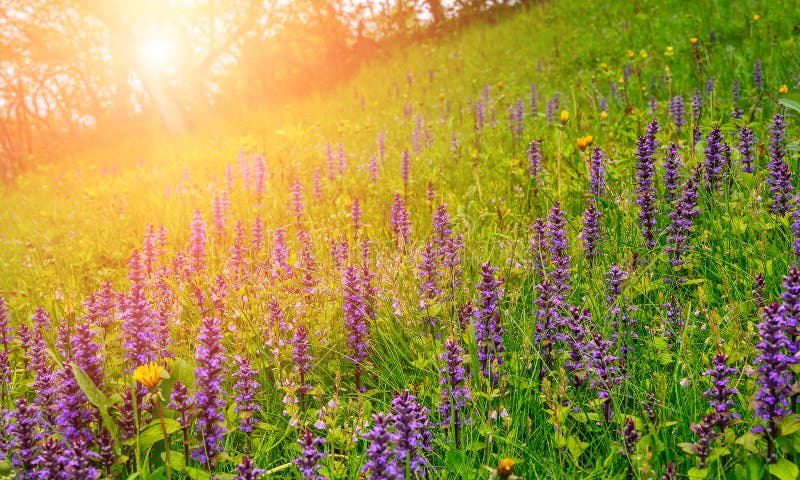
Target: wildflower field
<point x="558" y="244"/>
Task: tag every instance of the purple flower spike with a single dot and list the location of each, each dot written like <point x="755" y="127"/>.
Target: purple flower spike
<point x="308" y="461"/>
<point x="645" y="176"/>
<point x="246" y="387"/>
<point x="455" y="394"/>
<point x="591" y="231"/>
<point x="247" y="470"/>
<point x="779" y="177"/>
<point x="597" y="172"/>
<point x="209" y="396"/>
<point x="380" y="464"/>
<point x="713" y="160"/>
<point x="412" y="438"/>
<point x="720" y="394"/>
<point x="747" y="143"/>
<point x="672" y="177"/>
<point x="488" y="327"/>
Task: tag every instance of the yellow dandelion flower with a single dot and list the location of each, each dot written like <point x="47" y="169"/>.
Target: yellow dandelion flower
<point x="631" y="54"/>
<point x="505" y="468"/>
<point x="441" y="96"/>
<point x="474" y="154"/>
<point x="603" y="114"/>
<point x="564" y="116"/>
<point x="584" y="142"/>
<point x="643" y="53"/>
<point x="148" y="374"/>
<point x="500" y="85"/>
<point x="784" y="89"/>
<point x="604" y="66"/>
<point x="666" y="68"/>
<point x="669" y="52"/>
<point x="693" y="40"/>
<point x="756" y="17"/>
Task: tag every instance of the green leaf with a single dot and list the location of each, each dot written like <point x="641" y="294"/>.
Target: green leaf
<point x="749" y="441"/>
<point x="790" y="104"/>
<point x="96" y="397"/>
<point x="176" y="460"/>
<point x="197" y="474"/>
<point x="698" y="473"/>
<point x="789" y="424"/>
<point x="180" y="370"/>
<point x="454" y="460"/>
<point x="152" y="433"/>
<point x="576" y="447"/>
<point x="784" y="470"/>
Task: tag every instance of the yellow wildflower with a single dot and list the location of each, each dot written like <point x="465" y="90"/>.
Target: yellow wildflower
<point x="693" y="40"/>
<point x="784" y="89"/>
<point x="149" y="374"/>
<point x="631" y="54"/>
<point x="669" y="52"/>
<point x="643" y="53"/>
<point x="603" y="114"/>
<point x="584" y="142"/>
<point x="756" y="17"/>
<point x="564" y="116"/>
<point x="506" y="468"/>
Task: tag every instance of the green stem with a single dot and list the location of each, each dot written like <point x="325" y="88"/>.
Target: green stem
<point x="157" y="404"/>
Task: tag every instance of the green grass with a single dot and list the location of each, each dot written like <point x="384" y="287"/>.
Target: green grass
<point x="69" y="226"/>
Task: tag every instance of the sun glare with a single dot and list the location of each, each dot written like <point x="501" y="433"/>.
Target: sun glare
<point x="157" y="49"/>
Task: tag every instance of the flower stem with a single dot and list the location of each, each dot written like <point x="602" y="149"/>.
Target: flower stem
<point x="157" y="404"/>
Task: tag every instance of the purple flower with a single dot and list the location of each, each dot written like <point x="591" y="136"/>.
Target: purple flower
<point x="775" y="378"/>
<point x="197" y="244"/>
<point x="604" y="369"/>
<point x="535" y="162"/>
<point x="552" y="109"/>
<point x="412" y="437"/>
<point x="219" y="214"/>
<point x="428" y="271"/>
<point x="645" y="176"/>
<point x="682" y="220"/>
<point x="209" y="396"/>
<point x="516" y="119"/>
<point x="713" y="159"/>
<point x="790" y="299"/>
<point x="25" y="438"/>
<point x="591" y="231"/>
<point x="5" y="340"/>
<point x="279" y="260"/>
<point x="653" y="104"/>
<point x="758" y="290"/>
<point x="746" y="143"/>
<point x="355" y="215"/>
<point x="597" y="172"/>
<point x="674" y="321"/>
<point x="706" y="435"/>
<point x="405" y="169"/>
<point x="330" y="162"/>
<point x="52" y="461"/>
<point x="779" y="177"/>
<point x="720" y="394"/>
<point x="534" y="103"/>
<point x="557" y="241"/>
<point x="488" y="326"/>
<point x="621" y="322"/>
<point x="260" y="177"/>
<point x="677" y="112"/>
<point x="758" y="75"/>
<point x="246" y="387"/>
<point x="355" y="320"/>
<point x="630" y="437"/>
<point x="672" y="162"/>
<point x="246" y="470"/>
<point x="579" y="325"/>
<point x="455" y="394"/>
<point x="45" y="380"/>
<point x="298" y="205"/>
<point x="80" y="460"/>
<point x="399" y="224"/>
<point x="308" y="460"/>
<point x="140" y="341"/>
<point x="301" y="360"/>
<point x="380" y="464"/>
<point x="697" y="105"/>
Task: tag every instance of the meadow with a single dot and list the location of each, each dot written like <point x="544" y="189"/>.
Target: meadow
<point x="558" y="244"/>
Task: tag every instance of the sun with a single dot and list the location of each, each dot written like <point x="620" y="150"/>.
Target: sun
<point x="157" y="50"/>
